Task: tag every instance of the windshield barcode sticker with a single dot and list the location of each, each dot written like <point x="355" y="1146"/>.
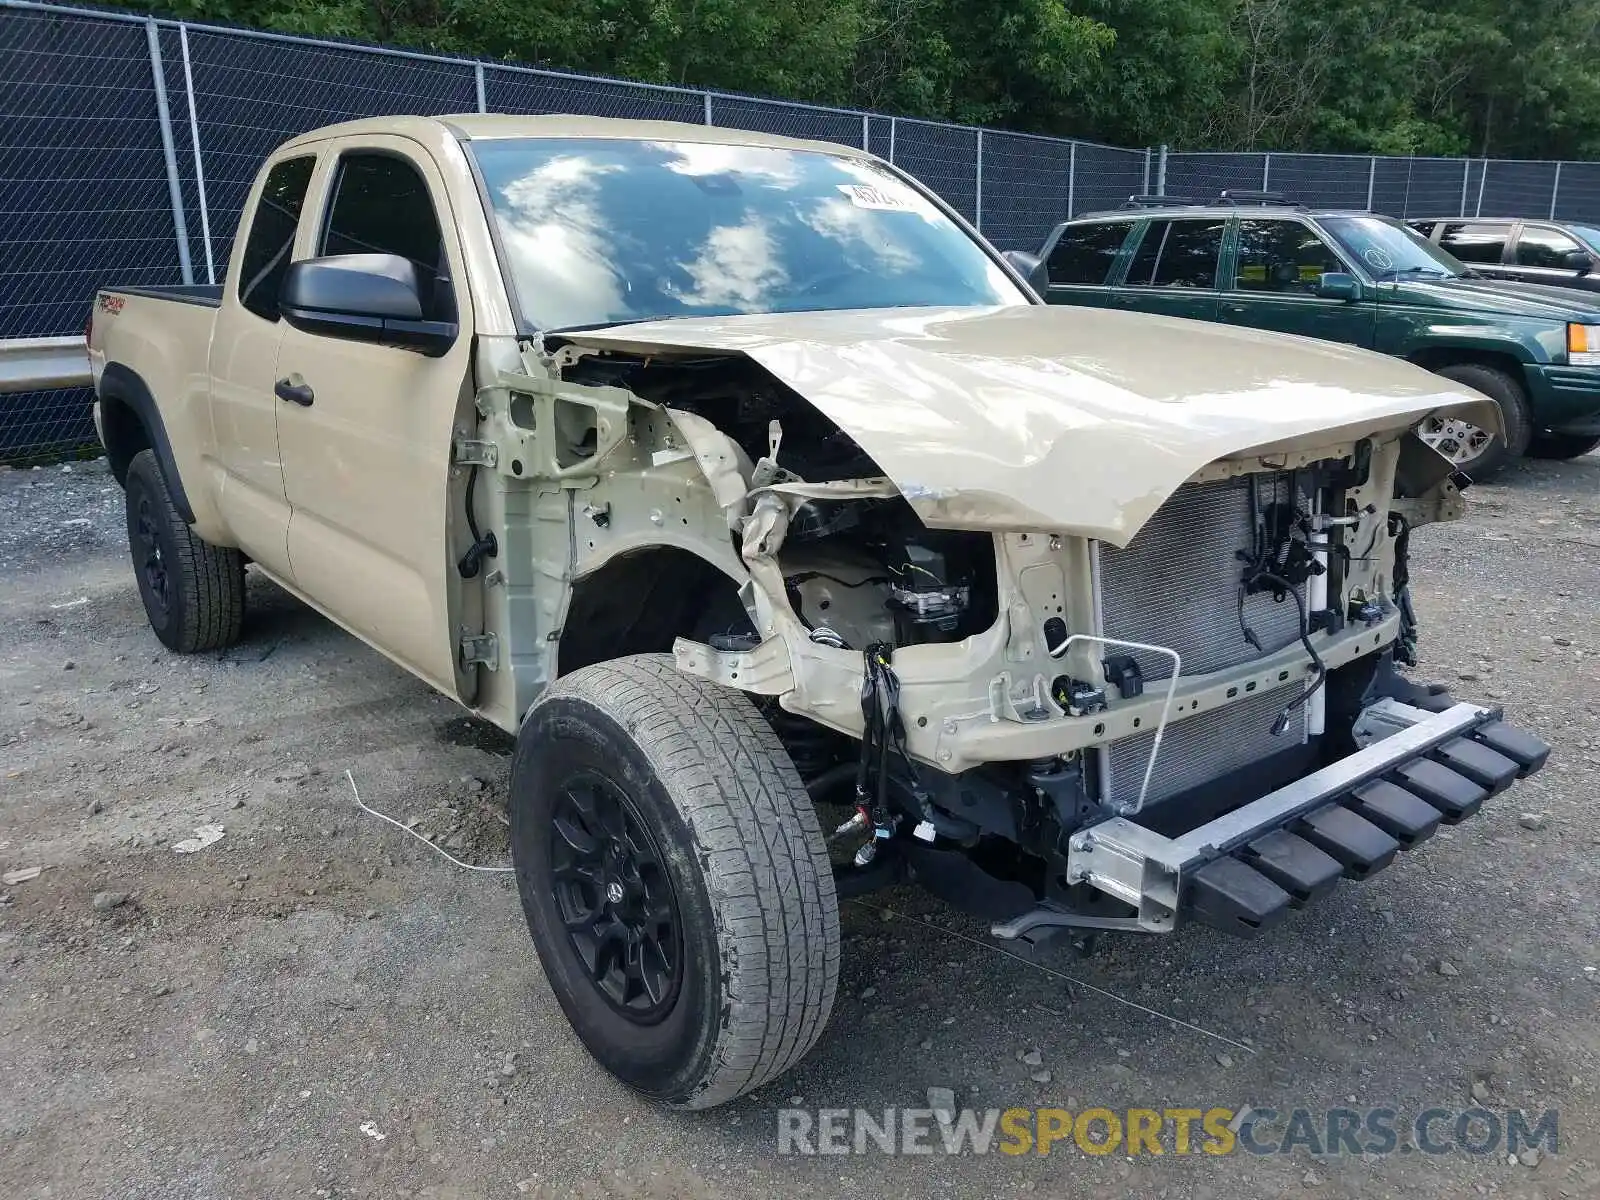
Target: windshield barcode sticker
<point x="864" y="195"/>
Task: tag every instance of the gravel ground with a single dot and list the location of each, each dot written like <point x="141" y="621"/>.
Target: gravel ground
<point x="248" y="1019"/>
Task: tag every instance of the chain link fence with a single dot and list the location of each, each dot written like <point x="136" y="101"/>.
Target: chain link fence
<point x="128" y="145"/>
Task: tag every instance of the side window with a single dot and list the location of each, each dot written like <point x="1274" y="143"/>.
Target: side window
<point x="381" y="206"/>
<point x="1178" y="253"/>
<point x="1281" y="256"/>
<point x="267" y="250"/>
<point x="1084" y="253"/>
<point x="1543" y="247"/>
<point x="1474" y="243"/>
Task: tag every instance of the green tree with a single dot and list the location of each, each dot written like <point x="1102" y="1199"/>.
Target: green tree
<point x="1513" y="78"/>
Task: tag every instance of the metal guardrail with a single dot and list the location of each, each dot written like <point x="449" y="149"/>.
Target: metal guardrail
<point x="38" y="364"/>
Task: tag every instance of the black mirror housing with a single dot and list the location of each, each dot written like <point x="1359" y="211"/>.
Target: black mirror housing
<point x="1031" y="267"/>
<point x="1580" y="261"/>
<point x="363" y="297"/>
<point x="1336" y="285"/>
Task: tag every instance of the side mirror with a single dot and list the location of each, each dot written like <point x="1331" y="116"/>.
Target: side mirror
<point x="1580" y="261"/>
<point x="1031" y="267"/>
<point x="364" y="298"/>
<point x="1336" y="285"/>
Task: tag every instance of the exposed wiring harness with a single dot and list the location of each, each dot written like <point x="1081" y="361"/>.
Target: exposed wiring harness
<point x="1279" y="562"/>
<point x="1405" y="650"/>
<point x="883" y="735"/>
<point x="483" y="545"/>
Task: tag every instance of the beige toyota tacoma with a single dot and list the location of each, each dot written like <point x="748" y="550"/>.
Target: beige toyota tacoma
<point x="762" y="501"/>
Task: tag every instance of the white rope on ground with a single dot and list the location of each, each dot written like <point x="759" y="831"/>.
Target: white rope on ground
<point x="1051" y="971"/>
<point x="950" y="933"/>
<point x="434" y="846"/>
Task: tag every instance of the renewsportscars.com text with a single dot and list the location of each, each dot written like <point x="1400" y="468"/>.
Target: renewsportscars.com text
<point x="1175" y="1131"/>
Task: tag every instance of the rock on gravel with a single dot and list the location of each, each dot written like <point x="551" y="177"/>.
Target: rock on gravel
<point x="106" y="901"/>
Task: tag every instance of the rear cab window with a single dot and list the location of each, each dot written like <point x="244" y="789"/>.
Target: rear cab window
<point x="270" y="244"/>
<point x="1085" y="254"/>
<point x="1474" y="242"/>
<point x="1178" y="253"/>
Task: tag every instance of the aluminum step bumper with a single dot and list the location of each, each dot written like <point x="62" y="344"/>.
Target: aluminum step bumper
<point x="1245" y="870"/>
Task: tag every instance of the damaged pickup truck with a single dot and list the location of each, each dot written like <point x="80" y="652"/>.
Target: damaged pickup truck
<point x="745" y="484"/>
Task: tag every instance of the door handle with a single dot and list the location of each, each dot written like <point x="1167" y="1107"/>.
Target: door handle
<point x="294" y="393"/>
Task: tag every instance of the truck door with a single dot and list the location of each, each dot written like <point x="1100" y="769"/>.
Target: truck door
<point x="365" y="429"/>
<point x="243" y="356"/>
<point x="1276" y="267"/>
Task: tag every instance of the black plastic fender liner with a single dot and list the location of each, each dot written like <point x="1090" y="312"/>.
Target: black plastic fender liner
<point x="1456" y="796"/>
<point x="1403" y="815"/>
<point x="1237" y="899"/>
<point x="1527" y="751"/>
<point x="1360" y="846"/>
<point x="1294" y="864"/>
<point x="1478" y="763"/>
<point x="125" y="386"/>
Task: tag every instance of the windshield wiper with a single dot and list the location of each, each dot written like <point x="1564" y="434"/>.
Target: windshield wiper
<point x="597" y="326"/>
<point x="1431" y="272"/>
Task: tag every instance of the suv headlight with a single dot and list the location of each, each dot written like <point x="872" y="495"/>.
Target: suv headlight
<point x="1583" y="345"/>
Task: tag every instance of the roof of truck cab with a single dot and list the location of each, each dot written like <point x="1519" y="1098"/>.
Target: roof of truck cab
<point x="487" y="126"/>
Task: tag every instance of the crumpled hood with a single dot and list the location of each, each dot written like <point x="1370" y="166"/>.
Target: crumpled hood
<point x="1050" y="419"/>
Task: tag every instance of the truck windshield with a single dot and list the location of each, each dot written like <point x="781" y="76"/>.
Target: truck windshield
<point x="1391" y="250"/>
<point x="604" y="231"/>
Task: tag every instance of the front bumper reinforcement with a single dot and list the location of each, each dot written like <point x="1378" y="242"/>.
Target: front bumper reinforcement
<point x="1244" y="871"/>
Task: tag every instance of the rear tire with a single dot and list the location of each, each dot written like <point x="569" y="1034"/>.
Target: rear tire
<point x="193" y="592"/>
<point x="674" y="879"/>
<point x="1508" y="393"/>
<point x="1562" y="445"/>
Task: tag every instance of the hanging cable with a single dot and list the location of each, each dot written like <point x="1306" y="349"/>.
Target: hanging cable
<point x="483" y="545"/>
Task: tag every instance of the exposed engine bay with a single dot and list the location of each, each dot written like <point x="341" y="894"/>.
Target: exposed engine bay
<point x="858" y="572"/>
<point x="1251" y="566"/>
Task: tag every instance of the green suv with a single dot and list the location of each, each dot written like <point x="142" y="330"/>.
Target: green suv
<point x="1351" y="277"/>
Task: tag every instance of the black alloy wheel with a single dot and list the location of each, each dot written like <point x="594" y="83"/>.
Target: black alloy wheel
<point x="148" y="556"/>
<point x="615" y="898"/>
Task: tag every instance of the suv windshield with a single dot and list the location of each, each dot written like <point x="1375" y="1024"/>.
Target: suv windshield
<point x="605" y="231"/>
<point x="1389" y="249"/>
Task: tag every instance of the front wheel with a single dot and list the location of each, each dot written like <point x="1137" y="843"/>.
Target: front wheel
<point x="674" y="879"/>
<point x="1477" y="453"/>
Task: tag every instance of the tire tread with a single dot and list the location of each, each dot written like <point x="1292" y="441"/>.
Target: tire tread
<point x="210" y="615"/>
<point x="766" y="866"/>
